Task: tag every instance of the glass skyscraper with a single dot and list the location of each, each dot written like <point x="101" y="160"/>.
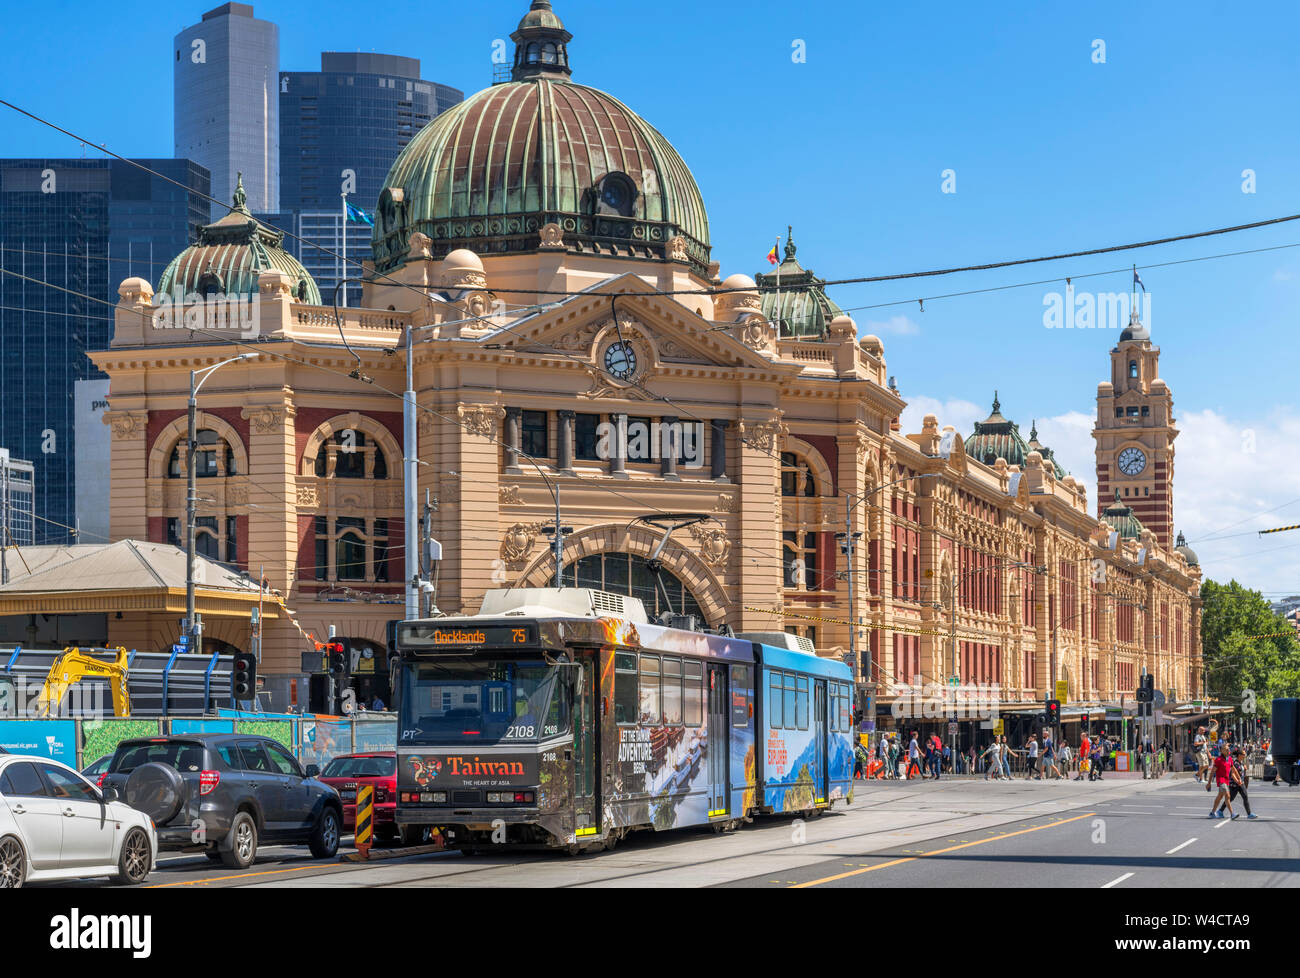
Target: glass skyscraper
<point x="70" y="231"/>
<point x="341" y="128"/>
<point x="226" y="114"/>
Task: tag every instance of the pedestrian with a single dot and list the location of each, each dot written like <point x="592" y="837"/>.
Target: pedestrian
<point x="1049" y="757"/>
<point x="1220" y="777"/>
<point x="1007" y="753"/>
<point x="1202" y="758"/>
<point x="1103" y="746"/>
<point x="970" y="759"/>
<point x="1063" y="757"/>
<point x="895" y="749"/>
<point x="913" y="757"/>
<point x="993" y="754"/>
<point x="1031" y="748"/>
<point x="1239" y="780"/>
<point x="1085" y="756"/>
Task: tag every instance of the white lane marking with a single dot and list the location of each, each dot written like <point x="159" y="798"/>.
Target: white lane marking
<point x="1181" y="845"/>
<point x="1115" y="881"/>
<point x="1223" y="822"/>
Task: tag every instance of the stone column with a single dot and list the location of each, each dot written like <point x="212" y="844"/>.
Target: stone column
<point x="129" y="465"/>
<point x="564" y="461"/>
<point x="618" y="457"/>
<point x="513" y="432"/>
<point x="670" y="442"/>
<point x="718" y="450"/>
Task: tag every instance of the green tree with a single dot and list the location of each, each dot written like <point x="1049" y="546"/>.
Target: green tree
<point x="1248" y="648"/>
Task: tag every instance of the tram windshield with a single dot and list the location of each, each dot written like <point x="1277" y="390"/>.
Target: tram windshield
<point x="481" y="701"/>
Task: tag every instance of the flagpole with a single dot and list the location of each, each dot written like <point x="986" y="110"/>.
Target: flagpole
<point x="778" y="286"/>
<point x="343" y="229"/>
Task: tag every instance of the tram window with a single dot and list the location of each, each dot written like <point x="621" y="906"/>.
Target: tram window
<point x="846" y="720"/>
<point x="694" y="698"/>
<point x="625" y="694"/>
<point x="672" y="691"/>
<point x="739" y="695"/>
<point x="790" y="710"/>
<point x="833" y="695"/>
<point x="650" y="711"/>
<point x="801" y="703"/>
<point x="774" y="700"/>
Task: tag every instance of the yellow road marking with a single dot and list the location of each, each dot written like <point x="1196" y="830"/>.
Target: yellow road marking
<point x="937" y="852"/>
<point x="240" y="876"/>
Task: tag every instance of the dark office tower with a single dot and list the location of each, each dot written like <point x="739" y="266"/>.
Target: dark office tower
<point x="341" y="128"/>
<point x="70" y="232"/>
<point x="225" y="112"/>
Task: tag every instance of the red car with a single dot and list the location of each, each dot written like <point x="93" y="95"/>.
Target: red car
<point x="348" y="772"/>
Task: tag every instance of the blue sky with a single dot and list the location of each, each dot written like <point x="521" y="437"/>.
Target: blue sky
<point x="1051" y="151"/>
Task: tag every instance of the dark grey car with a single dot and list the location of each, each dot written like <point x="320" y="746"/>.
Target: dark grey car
<point x="223" y="794"/>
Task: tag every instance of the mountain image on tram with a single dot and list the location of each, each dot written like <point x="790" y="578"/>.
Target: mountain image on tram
<point x="562" y="717"/>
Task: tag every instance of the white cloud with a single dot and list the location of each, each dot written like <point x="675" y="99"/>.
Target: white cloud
<point x="962" y="415"/>
<point x="1232" y="478"/>
<point x="1069" y="436"/>
<point x="894" y="326"/>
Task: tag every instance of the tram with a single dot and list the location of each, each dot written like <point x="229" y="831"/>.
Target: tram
<point x="562" y="717"/>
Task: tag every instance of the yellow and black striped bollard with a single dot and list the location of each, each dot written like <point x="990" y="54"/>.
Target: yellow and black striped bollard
<point x="365" y="819"/>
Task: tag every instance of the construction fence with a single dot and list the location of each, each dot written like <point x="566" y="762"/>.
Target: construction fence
<point x="313" y="739"/>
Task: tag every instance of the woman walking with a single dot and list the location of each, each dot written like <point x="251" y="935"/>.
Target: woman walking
<point x="1220" y="777"/>
<point x="1238" y="780"/>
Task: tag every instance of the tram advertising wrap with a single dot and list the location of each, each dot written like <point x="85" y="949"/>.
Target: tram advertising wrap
<point x="573" y="731"/>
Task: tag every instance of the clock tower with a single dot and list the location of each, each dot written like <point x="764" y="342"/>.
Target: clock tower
<point x="1135" y="434"/>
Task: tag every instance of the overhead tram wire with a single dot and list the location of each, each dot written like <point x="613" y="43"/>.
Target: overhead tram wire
<point x="859" y="280"/>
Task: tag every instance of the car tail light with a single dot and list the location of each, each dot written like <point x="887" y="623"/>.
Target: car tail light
<point x="99" y="782"/>
<point x="208" y="780"/>
<point x="524" y="796"/>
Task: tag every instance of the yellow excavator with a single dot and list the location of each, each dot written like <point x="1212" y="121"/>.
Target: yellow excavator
<point x="75" y="665"/>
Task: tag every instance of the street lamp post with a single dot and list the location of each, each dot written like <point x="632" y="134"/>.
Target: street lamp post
<point x="197" y="378"/>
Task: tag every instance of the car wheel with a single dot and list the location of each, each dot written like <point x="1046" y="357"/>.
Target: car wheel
<point x="324" y="841"/>
<point x="134" y="863"/>
<point x="243" y="842"/>
<point x="13" y="863"/>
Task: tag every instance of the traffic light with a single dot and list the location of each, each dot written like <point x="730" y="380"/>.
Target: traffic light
<point x="1052" y="714"/>
<point x="339" y="651"/>
<point x="243" y="676"/>
<point x="1146" y="691"/>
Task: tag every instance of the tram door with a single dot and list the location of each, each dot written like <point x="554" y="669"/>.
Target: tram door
<point x="823" y="758"/>
<point x="719" y="742"/>
<point x="586" y="740"/>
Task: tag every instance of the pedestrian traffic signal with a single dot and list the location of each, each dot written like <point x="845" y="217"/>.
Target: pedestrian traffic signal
<point x="339" y="651"/>
<point x="243" y="676"/>
<point x="1052" y="714"/>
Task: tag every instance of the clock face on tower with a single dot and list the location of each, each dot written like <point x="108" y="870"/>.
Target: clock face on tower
<point x="1132" y="461"/>
<point x="620" y="360"/>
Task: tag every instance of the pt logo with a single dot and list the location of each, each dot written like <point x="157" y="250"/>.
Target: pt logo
<point x="424" y="771"/>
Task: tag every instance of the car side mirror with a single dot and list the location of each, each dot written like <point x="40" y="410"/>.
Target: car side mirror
<point x="109" y="793"/>
<point x="313" y="771"/>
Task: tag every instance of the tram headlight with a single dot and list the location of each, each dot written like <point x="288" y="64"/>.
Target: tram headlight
<point x="494" y="797"/>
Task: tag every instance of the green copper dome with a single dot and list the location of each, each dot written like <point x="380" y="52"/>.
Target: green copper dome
<point x="230" y="254"/>
<point x="995" y="437"/>
<point x="1121" y="519"/>
<point x="490" y="173"/>
<point x="801" y="306"/>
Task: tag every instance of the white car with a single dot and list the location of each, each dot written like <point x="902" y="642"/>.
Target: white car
<point x="56" y="825"/>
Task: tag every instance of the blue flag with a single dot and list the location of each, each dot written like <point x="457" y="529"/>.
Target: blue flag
<point x="357" y="215"/>
<point x="1136" y="279"/>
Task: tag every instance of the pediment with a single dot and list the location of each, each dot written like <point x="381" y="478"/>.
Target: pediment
<point x="665" y="333"/>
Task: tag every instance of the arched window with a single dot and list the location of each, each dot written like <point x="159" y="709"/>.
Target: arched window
<point x="350" y="449"/>
<point x="210" y="451"/>
<point x="628" y="574"/>
<point x="1133" y="369"/>
<point x="548" y="53"/>
<point x="350" y="550"/>
<point x="796" y="477"/>
<point x="533" y="53"/>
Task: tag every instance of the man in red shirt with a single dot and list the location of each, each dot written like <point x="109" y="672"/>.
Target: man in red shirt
<point x="1085" y="754"/>
<point x="1221" y="773"/>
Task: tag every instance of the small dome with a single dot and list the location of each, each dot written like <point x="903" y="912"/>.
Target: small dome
<point x="1122" y="519"/>
<point x="800" y="305"/>
<point x="739" y="281"/>
<point x="540" y="14"/>
<point x="1188" y="553"/>
<point x="229" y="256"/>
<point x="133" y="287"/>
